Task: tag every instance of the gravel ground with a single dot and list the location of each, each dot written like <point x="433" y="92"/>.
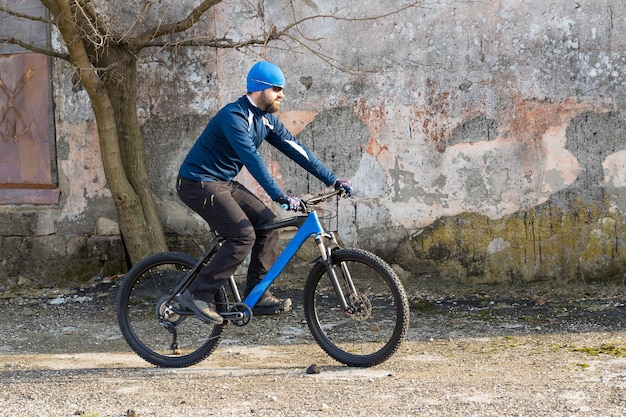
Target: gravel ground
<point x="469" y="352"/>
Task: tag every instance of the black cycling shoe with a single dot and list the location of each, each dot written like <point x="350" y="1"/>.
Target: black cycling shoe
<point x="205" y="311"/>
<point x="269" y="305"/>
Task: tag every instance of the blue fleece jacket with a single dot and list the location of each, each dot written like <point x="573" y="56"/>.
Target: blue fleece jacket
<point x="231" y="141"/>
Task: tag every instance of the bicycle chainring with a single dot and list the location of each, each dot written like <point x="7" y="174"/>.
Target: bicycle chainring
<point x="247" y="314"/>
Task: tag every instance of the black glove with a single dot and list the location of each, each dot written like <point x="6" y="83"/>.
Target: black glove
<point x="345" y="186"/>
<point x="288" y="202"/>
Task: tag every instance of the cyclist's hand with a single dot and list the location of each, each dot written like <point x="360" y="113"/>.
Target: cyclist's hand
<point x="288" y="202"/>
<point x="344" y="186"/>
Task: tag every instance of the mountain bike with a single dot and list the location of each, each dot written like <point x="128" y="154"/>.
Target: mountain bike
<point x="354" y="303"/>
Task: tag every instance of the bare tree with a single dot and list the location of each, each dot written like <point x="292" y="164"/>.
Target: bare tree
<point x="104" y="55"/>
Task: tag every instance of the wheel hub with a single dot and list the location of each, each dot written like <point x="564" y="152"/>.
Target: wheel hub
<point x="166" y="312"/>
<point x="361" y="307"/>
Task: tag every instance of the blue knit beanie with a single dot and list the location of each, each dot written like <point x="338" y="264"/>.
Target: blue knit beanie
<point x="264" y="75"/>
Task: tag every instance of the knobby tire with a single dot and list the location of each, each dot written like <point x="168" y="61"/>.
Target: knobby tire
<point x="375" y="329"/>
<point x="140" y="303"/>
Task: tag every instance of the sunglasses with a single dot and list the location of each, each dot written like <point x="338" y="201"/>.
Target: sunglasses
<point x="275" y="88"/>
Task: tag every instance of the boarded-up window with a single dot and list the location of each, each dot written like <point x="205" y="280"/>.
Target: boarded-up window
<point x="27" y="152"/>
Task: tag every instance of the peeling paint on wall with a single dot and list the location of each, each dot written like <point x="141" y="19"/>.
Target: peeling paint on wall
<point x="80" y="158"/>
<point x="486" y="141"/>
<point x="576" y="234"/>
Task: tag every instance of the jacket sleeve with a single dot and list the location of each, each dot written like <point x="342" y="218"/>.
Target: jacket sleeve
<point x="282" y="140"/>
<point x="236" y="132"/>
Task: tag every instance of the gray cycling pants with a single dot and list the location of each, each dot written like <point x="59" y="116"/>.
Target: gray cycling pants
<point x="233" y="212"/>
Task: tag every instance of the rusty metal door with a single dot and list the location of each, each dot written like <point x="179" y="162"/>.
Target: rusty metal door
<point x="27" y="139"/>
<point x="27" y="168"/>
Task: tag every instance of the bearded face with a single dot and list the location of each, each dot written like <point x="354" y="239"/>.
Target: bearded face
<point x="269" y="100"/>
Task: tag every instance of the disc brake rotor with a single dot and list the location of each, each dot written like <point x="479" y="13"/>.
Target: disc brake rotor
<point x="361" y="307"/>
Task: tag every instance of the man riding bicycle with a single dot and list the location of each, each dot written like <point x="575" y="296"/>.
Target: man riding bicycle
<point x="206" y="184"/>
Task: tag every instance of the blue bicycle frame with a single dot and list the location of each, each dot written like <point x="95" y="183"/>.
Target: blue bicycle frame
<point x="307" y="226"/>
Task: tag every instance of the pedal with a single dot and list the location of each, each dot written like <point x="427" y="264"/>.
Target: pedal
<point x="269" y="311"/>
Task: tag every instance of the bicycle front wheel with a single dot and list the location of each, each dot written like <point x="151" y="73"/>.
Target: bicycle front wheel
<point x="375" y="323"/>
<point x="154" y="325"/>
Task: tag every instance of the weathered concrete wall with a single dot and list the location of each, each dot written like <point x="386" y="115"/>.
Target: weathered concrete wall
<point x="486" y="140"/>
<point x="76" y="240"/>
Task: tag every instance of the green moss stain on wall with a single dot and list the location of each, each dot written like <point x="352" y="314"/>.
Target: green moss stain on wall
<point x="577" y="235"/>
<point x="585" y="243"/>
<point x="542" y="244"/>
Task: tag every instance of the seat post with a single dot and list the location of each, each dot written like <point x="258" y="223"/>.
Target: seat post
<point x="234" y="288"/>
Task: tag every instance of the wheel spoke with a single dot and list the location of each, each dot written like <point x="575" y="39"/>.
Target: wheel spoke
<point x="373" y="326"/>
<point x="154" y="324"/>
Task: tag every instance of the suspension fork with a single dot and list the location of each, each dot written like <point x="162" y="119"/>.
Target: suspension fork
<point x="326" y="253"/>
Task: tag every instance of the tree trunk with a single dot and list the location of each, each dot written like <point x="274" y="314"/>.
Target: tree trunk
<point x="143" y="234"/>
<point x="121" y="87"/>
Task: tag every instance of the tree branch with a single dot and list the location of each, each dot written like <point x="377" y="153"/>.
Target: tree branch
<point x="33" y="48"/>
<point x="145" y="39"/>
<point x="26" y="16"/>
<point x="222" y="43"/>
<point x="146" y="6"/>
<point x="99" y="31"/>
<point x="297" y="23"/>
<point x="149" y="38"/>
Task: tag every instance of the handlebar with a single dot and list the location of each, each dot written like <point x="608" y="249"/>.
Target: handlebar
<point x="306" y="205"/>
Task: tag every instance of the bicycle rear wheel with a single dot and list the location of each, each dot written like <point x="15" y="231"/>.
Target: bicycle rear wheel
<point x="158" y="330"/>
<point x="378" y="315"/>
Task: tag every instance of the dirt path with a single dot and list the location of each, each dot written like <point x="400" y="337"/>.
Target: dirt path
<point x="465" y="355"/>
